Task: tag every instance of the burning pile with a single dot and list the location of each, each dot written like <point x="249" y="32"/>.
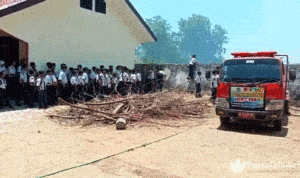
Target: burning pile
<point x="138" y="108"/>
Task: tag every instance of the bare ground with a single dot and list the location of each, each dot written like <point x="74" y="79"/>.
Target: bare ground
<point x="32" y="145"/>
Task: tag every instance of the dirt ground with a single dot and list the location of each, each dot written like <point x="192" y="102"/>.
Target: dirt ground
<point x="32" y="145"/>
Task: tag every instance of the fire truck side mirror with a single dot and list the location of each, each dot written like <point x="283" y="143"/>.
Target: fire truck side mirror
<point x="207" y="74"/>
<point x="292" y="76"/>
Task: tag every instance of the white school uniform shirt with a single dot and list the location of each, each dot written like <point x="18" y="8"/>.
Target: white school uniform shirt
<point x="80" y="80"/>
<point x="133" y="78"/>
<point x="139" y="77"/>
<point x="3" y="83"/>
<point x="93" y="75"/>
<point x="24" y="76"/>
<point x="54" y="80"/>
<point x="108" y="80"/>
<point x="19" y="69"/>
<point x="125" y="77"/>
<point x="63" y="77"/>
<point x="2" y="69"/>
<point x="103" y="79"/>
<point x="85" y="78"/>
<point x="40" y="82"/>
<point x="32" y="80"/>
<point x="98" y="78"/>
<point x="193" y="61"/>
<point x="151" y="75"/>
<point x="198" y="79"/>
<point x="73" y="80"/>
<point x="214" y="81"/>
<point x="115" y="80"/>
<point x="11" y="70"/>
<point x="48" y="80"/>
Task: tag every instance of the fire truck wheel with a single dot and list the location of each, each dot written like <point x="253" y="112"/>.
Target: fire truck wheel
<point x="277" y="125"/>
<point x="224" y="121"/>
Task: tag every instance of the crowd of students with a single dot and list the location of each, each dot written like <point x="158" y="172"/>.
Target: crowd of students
<point x="25" y="85"/>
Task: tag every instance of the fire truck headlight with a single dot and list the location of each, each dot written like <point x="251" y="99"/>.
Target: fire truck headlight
<point x="275" y="105"/>
<point x="222" y="103"/>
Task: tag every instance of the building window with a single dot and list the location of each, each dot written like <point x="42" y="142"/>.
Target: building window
<point x="100" y="6"/>
<point x="87" y="4"/>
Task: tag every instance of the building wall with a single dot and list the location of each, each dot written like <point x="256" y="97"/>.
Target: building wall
<point x="62" y="32"/>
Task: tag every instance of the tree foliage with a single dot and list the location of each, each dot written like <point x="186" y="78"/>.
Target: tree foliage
<point x="195" y="36"/>
<point x="165" y="49"/>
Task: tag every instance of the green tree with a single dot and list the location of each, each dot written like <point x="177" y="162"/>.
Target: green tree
<point x="165" y="50"/>
<point x="196" y="36"/>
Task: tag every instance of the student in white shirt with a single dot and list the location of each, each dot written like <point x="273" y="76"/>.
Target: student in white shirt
<point x="81" y="82"/>
<point x="23" y="88"/>
<point x="13" y="83"/>
<point x="41" y="86"/>
<point x="3" y="97"/>
<point x="151" y="81"/>
<point x="85" y="76"/>
<point x="161" y="76"/>
<point x="133" y="81"/>
<point x="31" y="88"/>
<point x="2" y="67"/>
<point x="214" y="85"/>
<point x="198" y="84"/>
<point x="192" y="67"/>
<point x="51" y="84"/>
<point x="103" y="81"/>
<point x="108" y="78"/>
<point x="63" y="82"/>
<point x="124" y="81"/>
<point x="139" y="81"/>
<point x="115" y="81"/>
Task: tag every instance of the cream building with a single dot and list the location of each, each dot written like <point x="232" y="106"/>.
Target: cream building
<point x="87" y="32"/>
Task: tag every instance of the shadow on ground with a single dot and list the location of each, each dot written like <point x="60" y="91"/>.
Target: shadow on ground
<point x="257" y="129"/>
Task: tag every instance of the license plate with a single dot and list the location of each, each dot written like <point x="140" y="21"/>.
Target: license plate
<point x="246" y="115"/>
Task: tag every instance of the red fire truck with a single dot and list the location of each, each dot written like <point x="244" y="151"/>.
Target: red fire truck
<point x="253" y="87"/>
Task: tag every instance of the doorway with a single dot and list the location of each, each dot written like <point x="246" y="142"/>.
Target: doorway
<point x="12" y="49"/>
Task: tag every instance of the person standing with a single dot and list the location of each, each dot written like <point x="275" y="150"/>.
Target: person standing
<point x="198" y="84"/>
<point x="63" y="82"/>
<point x="214" y="85"/>
<point x="108" y="77"/>
<point x="2" y="66"/>
<point x="31" y="88"/>
<point x="114" y="82"/>
<point x="13" y="83"/>
<point x="41" y="86"/>
<point x="133" y="81"/>
<point x="151" y="81"/>
<point x="192" y="67"/>
<point x="23" y="89"/>
<point x="3" y="97"/>
<point x="50" y="88"/>
<point x="139" y="81"/>
<point x="125" y="80"/>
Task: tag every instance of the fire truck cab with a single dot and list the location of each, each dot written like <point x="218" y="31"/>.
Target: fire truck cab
<point x="253" y="87"/>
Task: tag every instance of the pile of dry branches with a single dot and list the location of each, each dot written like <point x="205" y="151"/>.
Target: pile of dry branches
<point x="138" y="108"/>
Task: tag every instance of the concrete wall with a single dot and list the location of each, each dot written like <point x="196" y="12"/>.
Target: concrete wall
<point x="294" y="87"/>
<point x="177" y="77"/>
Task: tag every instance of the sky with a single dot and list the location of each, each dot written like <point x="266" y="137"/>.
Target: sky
<point x="254" y="25"/>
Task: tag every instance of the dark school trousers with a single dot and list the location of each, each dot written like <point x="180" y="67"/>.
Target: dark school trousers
<point x="192" y="69"/>
<point x="198" y="89"/>
<point x="42" y="98"/>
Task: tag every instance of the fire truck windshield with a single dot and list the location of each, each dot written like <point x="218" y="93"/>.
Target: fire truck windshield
<point x="251" y="70"/>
